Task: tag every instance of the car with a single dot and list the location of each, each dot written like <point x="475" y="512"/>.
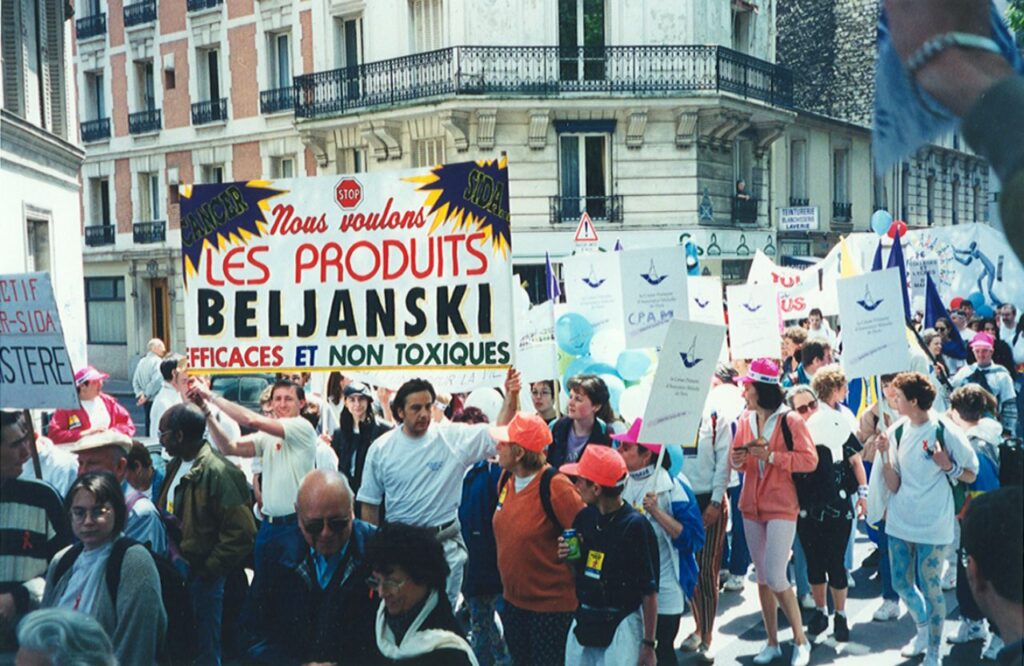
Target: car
<point x="242" y="390"/>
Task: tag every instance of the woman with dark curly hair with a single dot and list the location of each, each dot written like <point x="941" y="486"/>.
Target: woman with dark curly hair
<point x="415" y="623"/>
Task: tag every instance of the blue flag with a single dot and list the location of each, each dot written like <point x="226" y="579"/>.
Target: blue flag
<point x="550" y="280"/>
<point x="934" y="310"/>
<point x="896" y="260"/>
<point x="876" y="263"/>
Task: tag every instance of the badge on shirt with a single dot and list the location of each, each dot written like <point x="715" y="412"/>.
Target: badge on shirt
<point x="595" y="562"/>
<point x="639" y="506"/>
<point x="501" y="497"/>
<point x="74" y="422"/>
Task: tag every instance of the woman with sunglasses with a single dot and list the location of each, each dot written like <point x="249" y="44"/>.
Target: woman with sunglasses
<point x="920" y="456"/>
<point x="415" y="623"/>
<point x="134" y="618"/>
<point x="954" y="353"/>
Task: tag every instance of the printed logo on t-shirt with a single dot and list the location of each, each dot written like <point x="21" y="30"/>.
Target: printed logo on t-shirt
<point x="74" y="422"/>
<point x="595" y="562"/>
<point x="501" y="497"/>
<point x="435" y="466"/>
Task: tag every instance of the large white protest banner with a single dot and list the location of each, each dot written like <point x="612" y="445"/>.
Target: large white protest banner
<point x="391" y="274"/>
<point x="35" y="369"/>
<point x="800" y="289"/>
<point x="593" y="289"/>
<point x="874" y="329"/>
<point x="536" y="353"/>
<point x="681" y="382"/>
<point x="704" y="296"/>
<point x="754" y="324"/>
<point x="653" y="293"/>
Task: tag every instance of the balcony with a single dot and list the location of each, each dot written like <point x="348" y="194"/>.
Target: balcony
<point x="95" y="130"/>
<point x="799" y="203"/>
<point x="744" y="211"/>
<point x="144" y="122"/>
<point x="149" y="232"/>
<point x="601" y="209"/>
<point x="139" y="13"/>
<point x="212" y="111"/>
<point x="200" y="5"/>
<point x="97" y="235"/>
<point x="543" y="71"/>
<point x="277" y="100"/>
<point x="842" y="212"/>
<point x="88" y="27"/>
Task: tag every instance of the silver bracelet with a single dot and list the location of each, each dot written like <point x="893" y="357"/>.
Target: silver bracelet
<point x="940" y="43"/>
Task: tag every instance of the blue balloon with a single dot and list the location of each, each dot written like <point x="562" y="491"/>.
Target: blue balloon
<point x="632" y="364"/>
<point x="692" y="261"/>
<point x="977" y="299"/>
<point x="985" y="311"/>
<point x="881" y="220"/>
<point x="573" y="334"/>
<point x="577" y="367"/>
<point x="615" y="388"/>
<point x="675" y="456"/>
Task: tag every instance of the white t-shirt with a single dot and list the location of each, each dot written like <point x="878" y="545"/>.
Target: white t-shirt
<point x="670" y="593"/>
<point x="99" y="417"/>
<point x="284" y="463"/>
<point x="325" y="457"/>
<point x="922" y="510"/>
<point x="420" y="479"/>
<point x="186" y="465"/>
<point x="167" y="397"/>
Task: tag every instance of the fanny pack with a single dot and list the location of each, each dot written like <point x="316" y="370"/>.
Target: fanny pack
<point x="595" y="627"/>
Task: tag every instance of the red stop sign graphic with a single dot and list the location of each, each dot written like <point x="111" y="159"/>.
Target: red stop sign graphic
<point x="348" y="193"/>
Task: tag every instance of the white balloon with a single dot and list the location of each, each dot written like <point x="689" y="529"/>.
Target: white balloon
<point x="633" y="402"/>
<point x="606" y="345"/>
<point x="487" y="400"/>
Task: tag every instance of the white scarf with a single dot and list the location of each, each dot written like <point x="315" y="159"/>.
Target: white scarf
<point x="416" y="642"/>
<point x="84" y="579"/>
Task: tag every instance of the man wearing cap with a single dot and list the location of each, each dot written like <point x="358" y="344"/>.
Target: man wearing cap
<point x="617" y="574"/>
<point x="98" y="411"/>
<point x="992" y="377"/>
<point x="107" y="451"/>
<point x="416" y="470"/>
<point x="146" y="379"/>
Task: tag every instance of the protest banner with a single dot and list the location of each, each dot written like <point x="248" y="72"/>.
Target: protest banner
<point x="800" y="290"/>
<point x="754" y="325"/>
<point x="391" y="274"/>
<point x="707" y="304"/>
<point x="874" y="326"/>
<point x="653" y="293"/>
<point x="35" y="369"/>
<point x="681" y="382"/>
<point x="536" y="353"/>
<point x="593" y="289"/>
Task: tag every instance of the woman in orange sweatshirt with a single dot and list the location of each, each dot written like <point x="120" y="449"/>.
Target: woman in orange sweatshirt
<point x="768" y="501"/>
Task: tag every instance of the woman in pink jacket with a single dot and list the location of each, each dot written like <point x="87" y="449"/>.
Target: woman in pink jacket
<point x="768" y="501"/>
<point x="97" y="411"/>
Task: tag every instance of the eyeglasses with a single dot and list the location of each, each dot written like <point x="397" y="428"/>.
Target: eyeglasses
<point x="385" y="584"/>
<point x="96" y="513"/>
<point x="811" y="406"/>
<point x="316" y="525"/>
<point x="540" y="394"/>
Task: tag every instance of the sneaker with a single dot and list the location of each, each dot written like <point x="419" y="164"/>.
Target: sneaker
<point x="871" y="561"/>
<point x="702" y="655"/>
<point x="919" y="645"/>
<point x="995" y="644"/>
<point x="723" y="575"/>
<point x="733" y="584"/>
<point x="970" y="630"/>
<point x="949" y="579"/>
<point x="889" y="610"/>
<point x="818" y="623"/>
<point x="801" y="654"/>
<point x="691" y="643"/>
<point x="840" y="629"/>
<point x="807" y="602"/>
<point x="768" y="654"/>
<point x="850" y="582"/>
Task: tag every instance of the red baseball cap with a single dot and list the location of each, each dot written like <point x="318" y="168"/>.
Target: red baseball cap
<point x="632" y="436"/>
<point x="527" y="430"/>
<point x="601" y="464"/>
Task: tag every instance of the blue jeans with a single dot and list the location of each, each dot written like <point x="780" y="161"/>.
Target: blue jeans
<point x="208" y="600"/>
<point x="735" y="551"/>
<point x="803" y="586"/>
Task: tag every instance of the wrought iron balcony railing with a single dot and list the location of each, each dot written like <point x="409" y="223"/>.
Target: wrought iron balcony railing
<point x="88" y="27"/>
<point x="744" y="211"/>
<point x="799" y="203"/>
<point x="138" y="13"/>
<point x="211" y="111"/>
<point x="841" y="211"/>
<point x="600" y="209"/>
<point x="142" y="122"/>
<point x="95" y="130"/>
<point x="199" y="5"/>
<point x="149" y="232"/>
<point x="100" y="234"/>
<point x="543" y="71"/>
<point x="277" y="100"/>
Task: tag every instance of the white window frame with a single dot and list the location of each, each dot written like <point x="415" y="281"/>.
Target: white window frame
<point x="427" y="25"/>
<point x="275" y="80"/>
<point x="841" y="177"/>
<point x="341" y="59"/>
<point x="798" y="169"/>
<point x="35" y="220"/>
<point x="428" y="152"/>
<point x="280" y="165"/>
<point x="213" y="173"/>
<point x="204" y="79"/>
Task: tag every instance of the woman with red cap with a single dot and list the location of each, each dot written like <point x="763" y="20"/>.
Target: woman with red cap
<point x="770" y="444"/>
<point x="535" y="504"/>
<point x="98" y="411"/>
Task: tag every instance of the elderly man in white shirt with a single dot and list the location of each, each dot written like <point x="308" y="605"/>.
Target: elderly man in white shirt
<point x="146" y="380"/>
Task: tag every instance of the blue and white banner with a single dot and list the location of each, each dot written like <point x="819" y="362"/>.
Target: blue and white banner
<point x="874" y="329"/>
<point x="754" y="324"/>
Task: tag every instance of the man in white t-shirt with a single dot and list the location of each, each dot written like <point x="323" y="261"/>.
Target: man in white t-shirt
<point x="416" y="470"/>
<point x="285" y="444"/>
<point x="174" y="384"/>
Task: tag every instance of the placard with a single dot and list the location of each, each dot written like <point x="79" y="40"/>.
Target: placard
<point x="653" y="293"/>
<point x="754" y="326"/>
<point x="35" y="369"/>
<point x="800" y="289"/>
<point x="682" y="382"/>
<point x="536" y="352"/>
<point x="874" y="330"/>
<point x="593" y="288"/>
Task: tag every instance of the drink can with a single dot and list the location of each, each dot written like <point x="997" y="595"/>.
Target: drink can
<point x="573" y="542"/>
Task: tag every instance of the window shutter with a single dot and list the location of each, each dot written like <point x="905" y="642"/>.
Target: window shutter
<point x="10" y="12"/>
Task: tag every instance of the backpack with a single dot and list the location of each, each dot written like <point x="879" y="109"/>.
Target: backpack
<point x="817" y="488"/>
<point x="1011" y="462"/>
<point x="545" y="493"/>
<point x="180" y="645"/>
<point x="959" y="489"/>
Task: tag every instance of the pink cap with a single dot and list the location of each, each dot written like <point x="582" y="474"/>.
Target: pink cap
<point x="632" y="436"/>
<point x="763" y="370"/>
<point x="982" y="339"/>
<point x="89" y="374"/>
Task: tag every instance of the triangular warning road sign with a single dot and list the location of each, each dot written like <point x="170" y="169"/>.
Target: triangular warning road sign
<point x="585" y="232"/>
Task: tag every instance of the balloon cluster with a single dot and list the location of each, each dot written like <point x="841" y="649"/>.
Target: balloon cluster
<point x="883" y="224"/>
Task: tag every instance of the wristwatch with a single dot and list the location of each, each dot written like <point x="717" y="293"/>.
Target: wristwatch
<point x="716" y="504"/>
<point x="649" y="643"/>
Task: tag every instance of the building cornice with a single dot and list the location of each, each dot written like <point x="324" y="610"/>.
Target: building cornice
<point x="34" y="149"/>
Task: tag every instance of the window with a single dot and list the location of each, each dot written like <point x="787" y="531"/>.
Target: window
<point x="428" y="152"/>
<point x="798" y="172"/>
<point x="38" y="245"/>
<point x="533" y="277"/>
<point x="584" y="167"/>
<point x="105" y="311"/>
<point x="213" y="173"/>
<point x="741" y="29"/>
<point x="209" y="74"/>
<point x="427" y="25"/>
<point x="283" y="167"/>
<point x="100" y="199"/>
<point x="169" y="81"/>
<point x="144" y="86"/>
<point x="905" y="192"/>
<point x="841" y="176"/>
<point x="976" y="198"/>
<point x="930" y="195"/>
<point x="956" y="200"/>
<point x="881" y="193"/>
<point x="95" y="100"/>
<point x="280" y="60"/>
<point x="149" y="197"/>
<point x="348" y="44"/>
<point x="581" y="39"/>
<point x="743" y="164"/>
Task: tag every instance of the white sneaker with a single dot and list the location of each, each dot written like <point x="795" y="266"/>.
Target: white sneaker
<point x="733" y="584"/>
<point x="801" y="654"/>
<point x="995" y="644"/>
<point x="889" y="610"/>
<point x="691" y="643"/>
<point x="807" y="602"/>
<point x="919" y="645"/>
<point x="768" y="654"/>
<point x="949" y="579"/>
<point x="970" y="630"/>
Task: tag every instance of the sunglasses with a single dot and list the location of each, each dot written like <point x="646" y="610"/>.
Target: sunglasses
<point x="316" y="525"/>
<point x="803" y="409"/>
<point x="941" y="329"/>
